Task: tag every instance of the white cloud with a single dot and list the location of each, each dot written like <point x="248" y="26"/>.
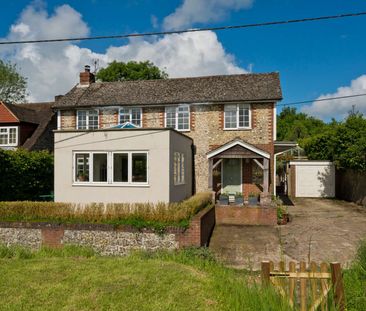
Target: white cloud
<point x="203" y="11"/>
<point x="339" y="108"/>
<point x="53" y="68"/>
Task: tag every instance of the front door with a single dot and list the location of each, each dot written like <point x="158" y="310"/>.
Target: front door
<point x="231" y="176"/>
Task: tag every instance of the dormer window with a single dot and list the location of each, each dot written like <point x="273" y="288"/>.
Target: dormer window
<point x="177" y="117"/>
<point x="237" y="116"/>
<point x="130" y="114"/>
<point x="87" y="119"/>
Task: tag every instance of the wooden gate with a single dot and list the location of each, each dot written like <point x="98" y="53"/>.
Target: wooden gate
<point x="307" y="287"/>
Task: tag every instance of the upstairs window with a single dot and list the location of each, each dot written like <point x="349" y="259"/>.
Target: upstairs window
<point x="87" y="119"/>
<point x="177" y="117"/>
<point x="8" y="136"/>
<point x="237" y="116"/>
<point x="132" y="115"/>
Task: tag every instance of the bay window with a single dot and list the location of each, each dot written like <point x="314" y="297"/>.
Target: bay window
<point x="177" y="117"/>
<point x="8" y="136"/>
<point x="125" y="168"/>
<point x="237" y="116"/>
<point x="132" y="115"/>
<point x="87" y="119"/>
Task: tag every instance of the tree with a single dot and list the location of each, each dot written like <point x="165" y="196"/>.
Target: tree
<point x="295" y="126"/>
<point x="13" y="85"/>
<point x="120" y="71"/>
<point x="342" y="142"/>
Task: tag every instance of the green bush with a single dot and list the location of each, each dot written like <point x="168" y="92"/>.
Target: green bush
<point x="140" y="215"/>
<point x="25" y="175"/>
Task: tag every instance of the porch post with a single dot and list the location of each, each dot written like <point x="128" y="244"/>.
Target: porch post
<point x="210" y="163"/>
<point x="265" y="175"/>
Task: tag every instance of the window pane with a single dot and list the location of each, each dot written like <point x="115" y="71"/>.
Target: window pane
<point x="120" y="167"/>
<point x="230" y="116"/>
<point x="170" y="117"/>
<point x="136" y="116"/>
<point x="3" y="136"/>
<point x="93" y="119"/>
<point x="244" y="116"/>
<point x="12" y="136"/>
<point x="124" y="115"/>
<point x="100" y="167"/>
<point x="82" y="125"/>
<point x="182" y="170"/>
<point x="139" y="167"/>
<point x="183" y="117"/>
<point x="82" y="167"/>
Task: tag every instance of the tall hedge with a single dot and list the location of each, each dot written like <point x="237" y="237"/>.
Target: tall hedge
<point x="25" y="175"/>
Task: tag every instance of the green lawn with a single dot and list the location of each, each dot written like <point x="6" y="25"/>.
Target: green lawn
<point x="179" y="281"/>
<point x="75" y="278"/>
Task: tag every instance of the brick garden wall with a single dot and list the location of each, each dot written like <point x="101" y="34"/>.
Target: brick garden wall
<point x="107" y="240"/>
<point x="233" y="215"/>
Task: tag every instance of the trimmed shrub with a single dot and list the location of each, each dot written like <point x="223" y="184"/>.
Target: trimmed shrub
<point x="25" y="175"/>
<point x="140" y="215"/>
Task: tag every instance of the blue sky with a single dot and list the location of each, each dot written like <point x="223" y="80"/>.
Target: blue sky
<point x="314" y="59"/>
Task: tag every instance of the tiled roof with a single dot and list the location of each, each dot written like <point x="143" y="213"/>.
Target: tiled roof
<point x="40" y="114"/>
<point x="225" y="88"/>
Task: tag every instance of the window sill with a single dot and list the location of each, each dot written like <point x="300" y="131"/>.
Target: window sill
<point x="180" y="184"/>
<point x="238" y="129"/>
<point x="110" y="185"/>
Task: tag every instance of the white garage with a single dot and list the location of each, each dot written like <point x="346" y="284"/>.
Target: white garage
<point x="312" y="179"/>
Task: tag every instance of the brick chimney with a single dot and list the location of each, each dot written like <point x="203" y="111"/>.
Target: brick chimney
<point x="86" y="77"/>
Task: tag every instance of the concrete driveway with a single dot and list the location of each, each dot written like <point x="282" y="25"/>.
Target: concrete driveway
<point x="320" y="230"/>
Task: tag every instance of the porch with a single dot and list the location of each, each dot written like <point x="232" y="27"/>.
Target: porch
<point x="239" y="168"/>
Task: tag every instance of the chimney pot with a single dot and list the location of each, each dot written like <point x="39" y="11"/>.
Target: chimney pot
<point x="87" y="68"/>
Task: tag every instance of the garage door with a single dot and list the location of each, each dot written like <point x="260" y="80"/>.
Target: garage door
<point x="315" y="179"/>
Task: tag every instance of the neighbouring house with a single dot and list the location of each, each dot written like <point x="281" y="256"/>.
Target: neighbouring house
<point x="162" y="140"/>
<point x="28" y="126"/>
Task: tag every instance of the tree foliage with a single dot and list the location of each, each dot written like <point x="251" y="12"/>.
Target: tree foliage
<point x="120" y="71"/>
<point x="341" y="142"/>
<point x="25" y="175"/>
<point x="13" y="85"/>
<point x="293" y="126"/>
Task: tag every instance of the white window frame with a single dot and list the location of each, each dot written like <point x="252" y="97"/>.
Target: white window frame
<point x="177" y="118"/>
<point x="87" y="118"/>
<point x="247" y="105"/>
<point x="178" y="177"/>
<point x="8" y="134"/>
<point x="130" y="115"/>
<point x="110" y="168"/>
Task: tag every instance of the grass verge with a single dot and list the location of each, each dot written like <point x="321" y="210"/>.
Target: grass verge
<point x="74" y="280"/>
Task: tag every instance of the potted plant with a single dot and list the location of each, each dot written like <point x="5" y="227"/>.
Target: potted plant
<point x="253" y="198"/>
<point x="224" y="199"/>
<point x="82" y="177"/>
<point x="239" y="199"/>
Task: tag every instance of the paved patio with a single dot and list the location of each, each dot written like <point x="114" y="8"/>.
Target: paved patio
<point x="320" y="230"/>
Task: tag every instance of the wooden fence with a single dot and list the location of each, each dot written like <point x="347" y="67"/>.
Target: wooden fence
<point x="307" y="287"/>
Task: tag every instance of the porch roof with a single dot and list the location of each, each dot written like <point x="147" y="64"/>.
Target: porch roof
<point x="250" y="150"/>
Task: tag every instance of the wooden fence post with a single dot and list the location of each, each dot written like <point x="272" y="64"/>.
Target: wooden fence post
<point x="265" y="274"/>
<point x="303" y="299"/>
<point x="337" y="281"/>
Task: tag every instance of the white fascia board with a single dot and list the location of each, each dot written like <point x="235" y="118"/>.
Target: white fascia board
<point x="240" y="143"/>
